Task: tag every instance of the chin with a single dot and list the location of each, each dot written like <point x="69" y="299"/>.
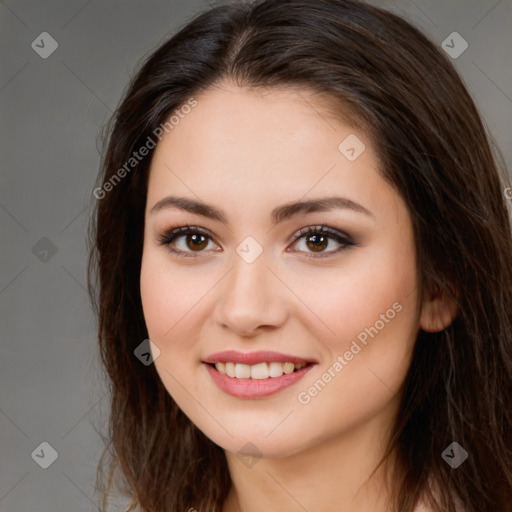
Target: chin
<point x="254" y="443"/>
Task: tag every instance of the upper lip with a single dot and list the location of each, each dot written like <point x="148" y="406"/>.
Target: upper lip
<point x="251" y="358"/>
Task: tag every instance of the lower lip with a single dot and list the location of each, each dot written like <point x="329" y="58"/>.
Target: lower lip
<point x="255" y="388"/>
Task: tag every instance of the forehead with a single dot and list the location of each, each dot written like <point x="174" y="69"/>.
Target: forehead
<point x="248" y="150"/>
<point x="277" y="105"/>
<point x="249" y="127"/>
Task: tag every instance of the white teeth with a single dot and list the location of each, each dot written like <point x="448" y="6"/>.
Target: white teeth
<point x="276" y="369"/>
<point x="242" y="371"/>
<point x="258" y="371"/>
<point x="230" y="369"/>
<point x="288" y="367"/>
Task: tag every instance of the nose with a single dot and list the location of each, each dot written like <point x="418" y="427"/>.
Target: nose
<point x="251" y="299"/>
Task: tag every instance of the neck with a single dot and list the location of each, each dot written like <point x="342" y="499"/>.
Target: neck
<point x="332" y="475"/>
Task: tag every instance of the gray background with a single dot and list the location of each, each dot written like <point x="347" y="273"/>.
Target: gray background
<point x="51" y="113"/>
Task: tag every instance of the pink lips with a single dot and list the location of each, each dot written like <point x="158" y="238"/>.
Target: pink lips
<point x="255" y="388"/>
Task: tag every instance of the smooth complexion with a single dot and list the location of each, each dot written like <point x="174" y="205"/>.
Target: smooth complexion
<point x="245" y="153"/>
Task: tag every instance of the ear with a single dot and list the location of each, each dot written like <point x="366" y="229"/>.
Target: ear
<point x="437" y="313"/>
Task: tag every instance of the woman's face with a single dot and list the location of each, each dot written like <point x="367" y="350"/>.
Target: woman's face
<point x="347" y="306"/>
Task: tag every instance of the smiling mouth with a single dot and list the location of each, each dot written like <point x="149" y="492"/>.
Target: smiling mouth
<point x="260" y="371"/>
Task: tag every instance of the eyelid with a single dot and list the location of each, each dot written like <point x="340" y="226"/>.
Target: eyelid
<point x="184" y="229"/>
<point x="321" y="229"/>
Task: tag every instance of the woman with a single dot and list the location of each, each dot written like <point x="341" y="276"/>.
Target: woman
<point x="300" y="208"/>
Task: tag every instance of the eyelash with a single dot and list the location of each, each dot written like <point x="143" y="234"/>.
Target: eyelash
<point x="170" y="235"/>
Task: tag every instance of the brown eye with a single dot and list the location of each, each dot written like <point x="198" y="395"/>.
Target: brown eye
<point x="318" y="238"/>
<point x="195" y="240"/>
<point x="317" y="243"/>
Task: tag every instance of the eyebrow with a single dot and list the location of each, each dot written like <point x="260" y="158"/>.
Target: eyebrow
<point x="279" y="214"/>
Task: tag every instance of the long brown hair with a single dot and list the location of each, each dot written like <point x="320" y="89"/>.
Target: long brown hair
<point x="435" y="151"/>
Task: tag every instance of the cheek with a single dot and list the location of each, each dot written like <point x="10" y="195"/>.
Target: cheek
<point x="171" y="301"/>
<point x="372" y="310"/>
<point x="158" y="295"/>
<point x="168" y="297"/>
<point x="351" y="298"/>
<point x="176" y="302"/>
